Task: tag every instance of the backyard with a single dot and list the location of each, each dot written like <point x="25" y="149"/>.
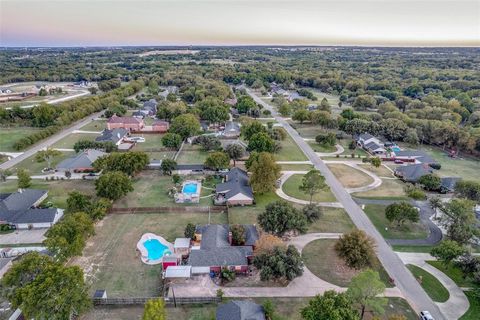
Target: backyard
<point x="350" y="177"/>
<point x="192" y="154"/>
<point x="290" y="187"/>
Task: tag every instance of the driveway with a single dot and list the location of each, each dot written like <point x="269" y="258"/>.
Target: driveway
<point x="339" y="150"/>
<point x="405" y="281"/>
<point x="23" y="236"/>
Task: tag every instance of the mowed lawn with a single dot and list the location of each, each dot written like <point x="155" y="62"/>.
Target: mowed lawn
<point x="296" y="167"/>
<point x="408" y="230"/>
<point x="429" y="283"/>
<point x="381" y="171"/>
<point x="248" y="214"/>
<point x="192" y="154"/>
<point x="8" y="136"/>
<point x="35" y="168"/>
<point x="332" y="220"/>
<point x="350" y="177"/>
<point x="390" y="189"/>
<point x="289" y="151"/>
<point x="290" y="187"/>
<point x="110" y="259"/>
<point x="322" y="260"/>
<point x="95" y="125"/>
<point x="152" y="141"/>
<point x="69" y="141"/>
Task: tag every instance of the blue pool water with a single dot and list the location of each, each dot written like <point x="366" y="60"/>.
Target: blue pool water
<point x="396" y="149"/>
<point x="190" y="188"/>
<point x="155" y="249"/>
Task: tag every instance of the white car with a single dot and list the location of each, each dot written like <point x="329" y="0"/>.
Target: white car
<point x="136" y="139"/>
<point x="425" y="315"/>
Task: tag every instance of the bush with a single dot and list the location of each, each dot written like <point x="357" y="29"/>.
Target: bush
<point x="279" y="263"/>
<point x="357" y="249"/>
<point x="227" y="275"/>
<point x="436" y="166"/>
<point x="238" y="234"/>
<point x="414" y="192"/>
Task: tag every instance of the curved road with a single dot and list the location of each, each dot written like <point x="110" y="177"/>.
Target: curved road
<point x="404" y="280"/>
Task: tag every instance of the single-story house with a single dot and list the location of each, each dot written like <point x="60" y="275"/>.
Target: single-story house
<point x="235" y="190"/>
<point x="186" y="169"/>
<point x="413" y="172"/>
<point x="128" y="123"/>
<point x="115" y="135"/>
<point x="448" y="184"/>
<point x="216" y="250"/>
<point x="416" y="156"/>
<point x="83" y="162"/>
<point x="19" y="209"/>
<point x="240" y="310"/>
<point x="365" y="138"/>
<point x="160" y="126"/>
<point x="374" y="147"/>
<point x="231" y="130"/>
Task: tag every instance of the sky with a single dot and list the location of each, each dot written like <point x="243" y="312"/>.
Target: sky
<point x="239" y="22"/>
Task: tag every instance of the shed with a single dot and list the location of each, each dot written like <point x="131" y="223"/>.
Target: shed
<point x="178" y="272"/>
<point x="182" y="246"/>
<point x="100" y="294"/>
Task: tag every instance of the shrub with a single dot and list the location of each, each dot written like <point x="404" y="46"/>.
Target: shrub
<point x="414" y="192"/>
<point x="357" y="249"/>
<point x="238" y="235"/>
<point x="436" y="166"/>
<point x="227" y="275"/>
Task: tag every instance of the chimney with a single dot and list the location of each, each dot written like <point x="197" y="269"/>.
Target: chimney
<point x="230" y="238"/>
<point x="20" y="190"/>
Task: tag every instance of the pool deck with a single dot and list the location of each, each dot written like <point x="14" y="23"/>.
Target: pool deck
<point x="184" y="197"/>
<point x="144" y="252"/>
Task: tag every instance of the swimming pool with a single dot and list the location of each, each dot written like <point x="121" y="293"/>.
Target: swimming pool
<point x="155" y="249"/>
<point x="396" y="149"/>
<point x="190" y="188"/>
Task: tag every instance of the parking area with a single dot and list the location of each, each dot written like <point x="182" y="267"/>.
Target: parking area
<point x="23" y="236"/>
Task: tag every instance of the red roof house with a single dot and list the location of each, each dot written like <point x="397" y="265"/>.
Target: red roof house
<point x="128" y="123"/>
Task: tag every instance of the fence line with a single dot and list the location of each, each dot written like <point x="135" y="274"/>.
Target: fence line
<point x="192" y="209"/>
<point x="143" y="300"/>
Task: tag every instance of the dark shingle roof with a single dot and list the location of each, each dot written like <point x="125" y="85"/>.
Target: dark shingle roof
<point x="82" y="160"/>
<point x="17" y="207"/>
<point x="114" y="135"/>
<point x="240" y="310"/>
<point x="22" y="200"/>
<point x="237" y="182"/>
<point x="35" y="216"/>
<point x="251" y="235"/>
<point x="373" y="146"/>
<point x="365" y="136"/>
<point x="413" y="172"/>
<point x="419" y="155"/>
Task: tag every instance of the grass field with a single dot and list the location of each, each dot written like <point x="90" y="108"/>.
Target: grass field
<point x="290" y="187"/>
<point x="321" y="148"/>
<point x="95" y="125"/>
<point x="35" y="168"/>
<point x="307" y="130"/>
<point x="474" y="310"/>
<point x="345" y="142"/>
<point x="350" y="177"/>
<point x="248" y="214"/>
<point x="430" y="284"/>
<point x="389" y="190"/>
<point x="159" y="155"/>
<point x="57" y="190"/>
<point x="408" y="230"/>
<point x="290" y="151"/>
<point x="110" y="259"/>
<point x="8" y="136"/>
<point x="322" y="260"/>
<point x="381" y="171"/>
<point x="192" y="155"/>
<point x="332" y="220"/>
<point x="152" y="141"/>
<point x="69" y="141"/>
<point x="454" y="273"/>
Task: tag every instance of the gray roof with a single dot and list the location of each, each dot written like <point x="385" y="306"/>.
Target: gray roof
<point x="418" y="155"/>
<point x="114" y="135"/>
<point x="36" y="216"/>
<point x="82" y="160"/>
<point x="413" y="172"/>
<point x="232" y="127"/>
<point x="251" y="235"/>
<point x="18" y="201"/>
<point x="449" y="183"/>
<point x="240" y="310"/>
<point x="237" y="182"/>
<point x="365" y="136"/>
<point x="150" y="104"/>
<point x="190" y="167"/>
<point x="373" y="146"/>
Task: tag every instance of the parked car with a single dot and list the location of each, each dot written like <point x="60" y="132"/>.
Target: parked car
<point x="398" y="161"/>
<point x="425" y="315"/>
<point x="136" y="139"/>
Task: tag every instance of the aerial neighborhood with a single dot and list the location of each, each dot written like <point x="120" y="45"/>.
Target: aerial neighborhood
<point x="275" y="184"/>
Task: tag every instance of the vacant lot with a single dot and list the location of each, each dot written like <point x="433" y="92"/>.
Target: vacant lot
<point x="111" y="261"/>
<point x="307" y="130"/>
<point x="290" y="151"/>
<point x="332" y="220"/>
<point x="350" y="177"/>
<point x="430" y="284"/>
<point x="8" y="136"/>
<point x="35" y="167"/>
<point x="390" y="189"/>
<point x="381" y="171"/>
<point x="408" y="230"/>
<point x="95" y="125"/>
<point x="290" y="187"/>
<point x="192" y="154"/>
<point x="69" y="141"/>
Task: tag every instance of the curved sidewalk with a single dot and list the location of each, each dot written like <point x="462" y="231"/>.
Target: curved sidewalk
<point x="376" y="180"/>
<point x="340" y="150"/>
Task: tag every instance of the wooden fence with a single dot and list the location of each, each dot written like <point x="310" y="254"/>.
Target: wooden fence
<point x="143" y="300"/>
<point x="189" y="209"/>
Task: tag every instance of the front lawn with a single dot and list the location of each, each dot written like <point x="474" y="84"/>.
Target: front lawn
<point x="350" y="177"/>
<point x="8" y="136"/>
<point x="321" y="148"/>
<point x="474" y="310"/>
<point x="429" y="283"/>
<point x="248" y="214"/>
<point x="290" y="187"/>
<point x="332" y="220"/>
<point x="95" y="125"/>
<point x="381" y="171"/>
<point x="390" y="189"/>
<point x="35" y="168"/>
<point x="296" y="167"/>
<point x="454" y="273"/>
<point x="289" y="151"/>
<point x="69" y="141"/>
<point x="408" y="230"/>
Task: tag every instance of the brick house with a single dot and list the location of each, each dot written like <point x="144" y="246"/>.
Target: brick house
<point x="128" y="123"/>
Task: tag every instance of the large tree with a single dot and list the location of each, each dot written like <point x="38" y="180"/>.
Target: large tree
<point x="430" y="182"/>
<point x="235" y="152"/>
<point x="155" y="310"/>
<point x="168" y="165"/>
<point x="186" y="125"/>
<point x="459" y="220"/>
<point x="245" y="103"/>
<point x="330" y="306"/>
<point x="279" y="263"/>
<point x="301" y="115"/>
<point x="217" y="160"/>
<point x="364" y="289"/>
<point x="47" y="156"/>
<point x="113" y="185"/>
<point x="468" y="189"/>
<point x="44" y="289"/>
<point x="77" y="202"/>
<point x="130" y="163"/>
<point x="281" y="217"/>
<point x="312" y="183"/>
<point x="251" y="128"/>
<point x="261" y="142"/>
<point x="172" y="141"/>
<point x="44" y="115"/>
<point x="401" y="212"/>
<point x="265" y="172"/>
<point x="357" y="249"/>
<point x="447" y="251"/>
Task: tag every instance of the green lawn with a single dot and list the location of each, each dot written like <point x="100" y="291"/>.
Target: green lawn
<point x="8" y="136"/>
<point x="290" y="151"/>
<point x="192" y="154"/>
<point x="474" y="310"/>
<point x="345" y="142"/>
<point x="57" y="190"/>
<point x="290" y="187"/>
<point x="35" y="168"/>
<point x="321" y="148"/>
<point x="408" y="230"/>
<point x="152" y="141"/>
<point x="390" y="189"/>
<point x="69" y="141"/>
<point x="350" y="177"/>
<point x="332" y="220"/>
<point x="296" y="167"/>
<point x="159" y="155"/>
<point x="307" y="130"/>
<point x="454" y="273"/>
<point x="430" y="284"/>
<point x="95" y="125"/>
<point x="421" y="249"/>
<point x="248" y="214"/>
<point x="322" y="260"/>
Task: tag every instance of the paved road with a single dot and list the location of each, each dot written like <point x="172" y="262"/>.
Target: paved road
<point x="404" y="280"/>
<point x="49" y="141"/>
<point x="80" y="93"/>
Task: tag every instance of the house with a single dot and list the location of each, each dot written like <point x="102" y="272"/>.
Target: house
<point x="240" y="310"/>
<point x="83" y="162"/>
<point x="160" y="126"/>
<point x="235" y="190"/>
<point x="115" y="135"/>
<point x="366" y="138"/>
<point x="150" y="107"/>
<point x="415" y="156"/>
<point x="216" y="250"/>
<point x="187" y="169"/>
<point x="128" y="123"/>
<point x="413" y="172"/>
<point x="448" y="184"/>
<point x="181" y="246"/>
<point x="374" y="147"/>
<point x="140" y="114"/>
<point x="232" y="130"/>
<point x="19" y="209"/>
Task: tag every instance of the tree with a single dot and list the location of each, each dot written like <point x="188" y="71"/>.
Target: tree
<point x="312" y="183"/>
<point x="330" y="306"/>
<point x="47" y="155"/>
<point x="285" y="109"/>
<point x="393" y="129"/>
<point x="235" y="152"/>
<point x="376" y="162"/>
<point x="251" y="129"/>
<point x="435" y="204"/>
<point x="411" y="137"/>
<point x="430" y="182"/>
<point x="364" y="289"/>
<point x="281" y="217"/>
<point x="45" y="289"/>
<point x="447" y="251"/>
<point x="326" y="139"/>
<point x="77" y="202"/>
<point x="209" y="142"/>
<point x="468" y="189"/>
<point x="269" y="309"/>
<point x="238" y="234"/>
<point x="168" y="165"/>
<point x="24" y="179"/>
<point x="67" y="237"/>
<point x="265" y="172"/>
<point x="401" y="212"/>
<point x="279" y="263"/>
<point x="99" y="209"/>
<point x="267" y="242"/>
<point x="324" y="105"/>
<point x="155" y="310"/>
<point x="186" y="125"/>
<point x="312" y="212"/>
<point x="172" y="141"/>
<point x="301" y="115"/>
<point x="130" y="163"/>
<point x="82" y="145"/>
<point x="44" y="115"/>
<point x="459" y="220"/>
<point x="245" y="103"/>
<point x="217" y="160"/>
<point x="261" y="142"/>
<point x="364" y="102"/>
<point x="113" y="185"/>
<point x="357" y="249"/>
<point x="4" y="173"/>
<point x="190" y="231"/>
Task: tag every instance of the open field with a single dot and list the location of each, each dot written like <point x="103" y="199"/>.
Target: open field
<point x="381" y="171"/>
<point x="350" y="177"/>
<point x="322" y="260"/>
<point x="57" y="190"/>
<point x="430" y="284"/>
<point x="332" y="220"/>
<point x="409" y="230"/>
<point x="290" y="187"/>
<point x="289" y="151"/>
<point x="35" y="168"/>
<point x="390" y="189"/>
<point x="8" y="136"/>
<point x="69" y="141"/>
<point x="193" y="154"/>
<point x="110" y="259"/>
<point x="307" y="130"/>
<point x="95" y="125"/>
